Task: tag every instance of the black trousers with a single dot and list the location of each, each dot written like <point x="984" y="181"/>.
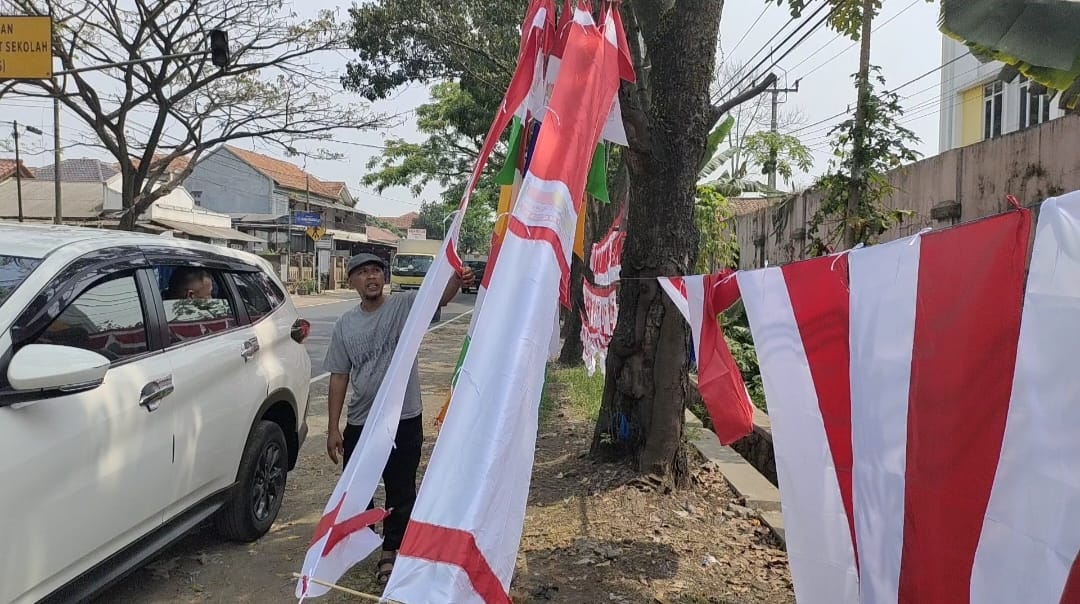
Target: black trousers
<point x="399" y="476"/>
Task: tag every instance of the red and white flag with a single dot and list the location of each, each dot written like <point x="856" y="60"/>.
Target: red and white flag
<point x="462" y="541"/>
<point x="895" y="386"/>
<point x="700" y="298"/>
<point x="343" y="536"/>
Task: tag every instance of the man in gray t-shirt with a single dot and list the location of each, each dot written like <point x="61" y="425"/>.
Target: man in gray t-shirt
<point x="361" y="347"/>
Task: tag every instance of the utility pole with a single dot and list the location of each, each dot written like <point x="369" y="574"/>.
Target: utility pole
<point x="18" y="162"/>
<point x="772" y="151"/>
<point x="18" y="167"/>
<point x="858" y="150"/>
<point x="59" y="209"/>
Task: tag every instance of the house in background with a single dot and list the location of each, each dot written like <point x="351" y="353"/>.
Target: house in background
<point x="401" y="223"/>
<point x="259" y="191"/>
<point x="8" y="169"/>
<point x="91" y="195"/>
<point x="262" y="194"/>
<point x="980" y="101"/>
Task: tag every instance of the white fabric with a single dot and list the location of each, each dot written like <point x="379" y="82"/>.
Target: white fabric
<point x="818" y="539"/>
<point x="1031" y="532"/>
<point x="473" y="481"/>
<point x="883" y="282"/>
<point x="361" y="476"/>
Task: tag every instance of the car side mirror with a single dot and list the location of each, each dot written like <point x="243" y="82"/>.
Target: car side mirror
<point x="62" y="369"/>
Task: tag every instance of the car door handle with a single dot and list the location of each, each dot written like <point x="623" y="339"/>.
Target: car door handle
<point x="250" y="348"/>
<point x="154" y="392"/>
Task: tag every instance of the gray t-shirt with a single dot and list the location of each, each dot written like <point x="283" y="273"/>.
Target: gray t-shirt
<point x="362" y="345"/>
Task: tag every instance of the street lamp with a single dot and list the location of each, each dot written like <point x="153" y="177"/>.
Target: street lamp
<point x="18" y="162"/>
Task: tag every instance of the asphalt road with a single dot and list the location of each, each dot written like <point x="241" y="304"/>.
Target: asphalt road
<point x="322" y="320"/>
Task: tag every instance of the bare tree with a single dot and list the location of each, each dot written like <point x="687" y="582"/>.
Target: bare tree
<point x="166" y="103"/>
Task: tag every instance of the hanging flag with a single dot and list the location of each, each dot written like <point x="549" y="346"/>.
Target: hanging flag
<point x="888" y="372"/>
<point x="599" y="315"/>
<point x="701" y="299"/>
<point x="463" y="538"/>
<point x="606" y="259"/>
<point x="343" y="535"/>
<point x="1029" y="541"/>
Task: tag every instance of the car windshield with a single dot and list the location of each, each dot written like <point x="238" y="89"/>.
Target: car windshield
<point x="411" y="266"/>
<point x="13" y="271"/>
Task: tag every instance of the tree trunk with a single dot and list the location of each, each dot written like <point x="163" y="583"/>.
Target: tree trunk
<point x="852" y="233"/>
<point x="647" y="388"/>
<point x="598" y="219"/>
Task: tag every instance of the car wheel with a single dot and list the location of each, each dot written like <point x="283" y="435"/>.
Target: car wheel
<point x="255" y="502"/>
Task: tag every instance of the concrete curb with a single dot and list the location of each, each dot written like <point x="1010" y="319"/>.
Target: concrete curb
<point x="750" y="485"/>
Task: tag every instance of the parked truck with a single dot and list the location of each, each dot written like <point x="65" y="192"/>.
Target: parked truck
<point x="412" y="262"/>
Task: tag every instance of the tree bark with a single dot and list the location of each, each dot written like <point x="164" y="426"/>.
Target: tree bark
<point x="647" y="387"/>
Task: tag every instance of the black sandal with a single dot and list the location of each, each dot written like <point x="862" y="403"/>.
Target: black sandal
<point x="382" y="575"/>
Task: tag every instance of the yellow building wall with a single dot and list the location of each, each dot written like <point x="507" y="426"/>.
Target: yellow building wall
<point x="971" y="115"/>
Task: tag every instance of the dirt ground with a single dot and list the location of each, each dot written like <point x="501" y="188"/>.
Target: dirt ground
<point x="592" y="534"/>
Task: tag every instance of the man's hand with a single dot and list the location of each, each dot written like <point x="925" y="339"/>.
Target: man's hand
<point x="467" y="277"/>
<point x="335" y="445"/>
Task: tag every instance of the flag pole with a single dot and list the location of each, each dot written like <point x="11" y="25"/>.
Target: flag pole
<point x="351" y="592"/>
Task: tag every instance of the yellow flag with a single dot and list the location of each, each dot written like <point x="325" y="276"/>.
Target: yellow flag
<point x="579" y="236"/>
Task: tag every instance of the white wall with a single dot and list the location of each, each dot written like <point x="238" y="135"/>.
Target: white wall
<point x="178" y="206"/>
<point x="961" y="75"/>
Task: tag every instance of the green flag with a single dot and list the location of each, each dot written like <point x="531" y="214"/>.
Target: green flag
<point x="596" y="185"/>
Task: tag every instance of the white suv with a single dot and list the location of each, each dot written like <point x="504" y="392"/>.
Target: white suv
<point x="128" y="414"/>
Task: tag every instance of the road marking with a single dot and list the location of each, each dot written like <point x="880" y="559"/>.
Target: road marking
<point x="430" y="329"/>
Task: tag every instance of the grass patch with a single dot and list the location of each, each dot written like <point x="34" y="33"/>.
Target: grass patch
<point x="573" y="389"/>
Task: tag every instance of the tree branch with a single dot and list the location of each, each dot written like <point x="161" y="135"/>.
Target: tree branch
<point x="718" y="111"/>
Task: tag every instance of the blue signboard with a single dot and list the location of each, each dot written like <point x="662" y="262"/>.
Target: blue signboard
<point x="308" y="219"/>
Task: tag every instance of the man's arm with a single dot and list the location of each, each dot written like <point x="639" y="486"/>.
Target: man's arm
<point x="455" y="284"/>
<point x="335" y="402"/>
<point x="338" y="364"/>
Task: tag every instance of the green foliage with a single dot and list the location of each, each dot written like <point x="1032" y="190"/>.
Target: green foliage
<point x="455" y="124"/>
<point x="475" y="237"/>
<point x="846" y="16"/>
<point x="791" y="153"/>
<point x="398" y="42"/>
<point x="885" y="147"/>
<point x="717" y="245"/>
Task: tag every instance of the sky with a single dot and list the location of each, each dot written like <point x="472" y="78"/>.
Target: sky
<point x="905" y="44"/>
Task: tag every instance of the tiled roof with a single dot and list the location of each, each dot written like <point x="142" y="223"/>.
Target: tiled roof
<point x="288" y="176"/>
<point x="78" y="170"/>
<point x="7" y="169"/>
<point x="405" y="221"/>
<point x="375" y="233"/>
<point x="741" y="206"/>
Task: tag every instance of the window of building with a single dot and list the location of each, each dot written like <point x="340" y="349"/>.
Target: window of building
<point x="196" y="302"/>
<point x="107" y="319"/>
<point x="993" y="101"/>
<point x="1034" y="108"/>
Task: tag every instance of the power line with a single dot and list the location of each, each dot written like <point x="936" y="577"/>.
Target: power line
<point x="751" y="28"/>
<point x="784" y="41"/>
<point x="853" y="44"/>
<point x="737" y="73"/>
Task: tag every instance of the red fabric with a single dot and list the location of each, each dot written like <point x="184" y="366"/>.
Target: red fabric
<point x="820" y="301"/>
<point x="339" y="531"/>
<point x="961" y="384"/>
<point x="457" y="547"/>
<point x="719" y="380"/>
<point x="1071" y="593"/>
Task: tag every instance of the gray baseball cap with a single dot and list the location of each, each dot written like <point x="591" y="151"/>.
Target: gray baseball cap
<point x="361" y="259"/>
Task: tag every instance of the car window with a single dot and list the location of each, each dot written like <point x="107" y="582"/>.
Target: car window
<point x="259" y="299"/>
<point x="13" y="271"/>
<point x="107" y="319"/>
<point x="196" y="301"/>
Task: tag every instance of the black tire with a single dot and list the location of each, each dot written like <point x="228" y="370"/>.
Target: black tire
<point x="254" y="504"/>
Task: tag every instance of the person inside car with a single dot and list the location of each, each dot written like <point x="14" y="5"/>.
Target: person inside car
<point x="190" y="284"/>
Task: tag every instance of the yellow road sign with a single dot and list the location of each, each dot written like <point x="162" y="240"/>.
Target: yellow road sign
<point x="25" y="48"/>
<point x="316" y="233"/>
